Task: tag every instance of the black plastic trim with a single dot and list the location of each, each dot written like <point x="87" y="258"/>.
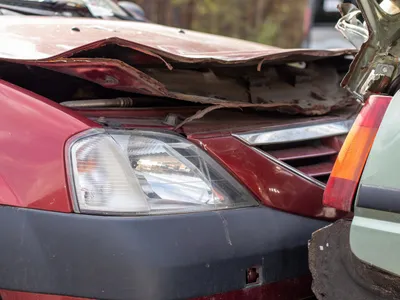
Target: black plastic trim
<point x="159" y="257"/>
<point x="379" y="198"/>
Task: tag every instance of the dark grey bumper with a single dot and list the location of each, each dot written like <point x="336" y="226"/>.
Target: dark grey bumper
<point x="160" y="257"/>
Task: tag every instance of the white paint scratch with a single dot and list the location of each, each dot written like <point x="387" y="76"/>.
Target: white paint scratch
<point x="225" y="224"/>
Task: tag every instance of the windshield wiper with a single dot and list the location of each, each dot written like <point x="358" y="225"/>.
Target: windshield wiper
<point x="55" y="8"/>
<point x="27" y="10"/>
<point x="46" y="8"/>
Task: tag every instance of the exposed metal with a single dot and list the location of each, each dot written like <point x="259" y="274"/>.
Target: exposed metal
<point x="312" y="90"/>
<point x="150" y="59"/>
<point x="98" y="103"/>
<point x="366" y="76"/>
<point x="350" y="26"/>
<point x="172" y="119"/>
<point x="296" y="134"/>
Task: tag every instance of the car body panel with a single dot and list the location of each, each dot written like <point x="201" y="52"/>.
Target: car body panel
<point x="317" y="93"/>
<point x="35" y="38"/>
<point x="274" y="239"/>
<point x="124" y="55"/>
<point x="218" y="133"/>
<point x="274" y="185"/>
<point x="212" y="133"/>
<point x="178" y="256"/>
<point x="215" y="123"/>
<point x="376" y="224"/>
<point x="32" y="149"/>
<point x="13" y="295"/>
<point x="53" y="251"/>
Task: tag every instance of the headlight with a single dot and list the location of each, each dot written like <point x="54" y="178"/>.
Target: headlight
<point x="142" y="172"/>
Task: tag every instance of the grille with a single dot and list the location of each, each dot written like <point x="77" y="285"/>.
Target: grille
<point x="314" y="158"/>
<point x="309" y="150"/>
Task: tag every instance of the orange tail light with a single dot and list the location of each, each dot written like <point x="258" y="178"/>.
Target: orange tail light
<point x="346" y="173"/>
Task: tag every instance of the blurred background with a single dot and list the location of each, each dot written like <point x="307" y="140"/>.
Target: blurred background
<point x="281" y="23"/>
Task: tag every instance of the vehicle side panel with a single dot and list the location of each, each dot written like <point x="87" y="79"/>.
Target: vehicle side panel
<point x="376" y="226"/>
<point x="33" y="132"/>
<point x="274" y="185"/>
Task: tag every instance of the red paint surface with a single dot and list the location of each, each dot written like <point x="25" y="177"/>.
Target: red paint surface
<point x="12" y="295"/>
<point x="140" y="113"/>
<point x="374" y="110"/>
<point x="290" y="289"/>
<point x="339" y="193"/>
<point x="215" y="123"/>
<point x="320" y="169"/>
<point x="33" y="38"/>
<point x="33" y="171"/>
<point x="110" y="73"/>
<point x="274" y="185"/>
<point x="33" y="132"/>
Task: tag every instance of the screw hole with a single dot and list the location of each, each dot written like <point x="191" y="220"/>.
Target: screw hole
<point x="253" y="275"/>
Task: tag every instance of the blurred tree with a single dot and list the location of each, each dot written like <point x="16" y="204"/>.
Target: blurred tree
<point x="274" y="22"/>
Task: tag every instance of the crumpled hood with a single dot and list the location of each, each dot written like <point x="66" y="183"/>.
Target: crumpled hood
<point x="155" y="60"/>
<point x="41" y="38"/>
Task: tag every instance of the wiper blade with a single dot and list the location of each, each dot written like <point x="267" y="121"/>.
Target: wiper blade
<point x="28" y="10"/>
<point x="64" y="8"/>
<point x="46" y="8"/>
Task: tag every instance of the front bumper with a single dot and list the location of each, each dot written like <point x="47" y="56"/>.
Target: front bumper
<point x="159" y="257"/>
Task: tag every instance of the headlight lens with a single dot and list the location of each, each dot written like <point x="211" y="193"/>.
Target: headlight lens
<point x="143" y="172"/>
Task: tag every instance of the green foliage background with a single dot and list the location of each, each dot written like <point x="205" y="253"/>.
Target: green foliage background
<point x="274" y="22"/>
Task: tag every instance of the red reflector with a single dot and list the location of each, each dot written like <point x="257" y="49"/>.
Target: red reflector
<point x="339" y="188"/>
<point x="346" y="173"/>
<point x="372" y="114"/>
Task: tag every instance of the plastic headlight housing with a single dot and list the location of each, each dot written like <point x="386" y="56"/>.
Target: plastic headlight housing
<point x="143" y="172"/>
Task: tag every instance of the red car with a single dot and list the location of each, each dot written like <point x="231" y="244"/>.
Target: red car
<point x="145" y="162"/>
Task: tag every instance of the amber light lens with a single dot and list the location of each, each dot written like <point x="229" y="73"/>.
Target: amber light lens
<point x="346" y="173"/>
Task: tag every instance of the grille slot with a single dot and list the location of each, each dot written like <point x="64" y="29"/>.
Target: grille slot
<point x="302" y="151"/>
<point x="309" y="150"/>
<point x="317" y="170"/>
<point x="314" y="158"/>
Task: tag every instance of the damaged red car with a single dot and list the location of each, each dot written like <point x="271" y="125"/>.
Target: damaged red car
<point x="145" y="162"/>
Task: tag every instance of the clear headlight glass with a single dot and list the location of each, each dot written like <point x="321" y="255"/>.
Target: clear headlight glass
<point x="143" y="172"/>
